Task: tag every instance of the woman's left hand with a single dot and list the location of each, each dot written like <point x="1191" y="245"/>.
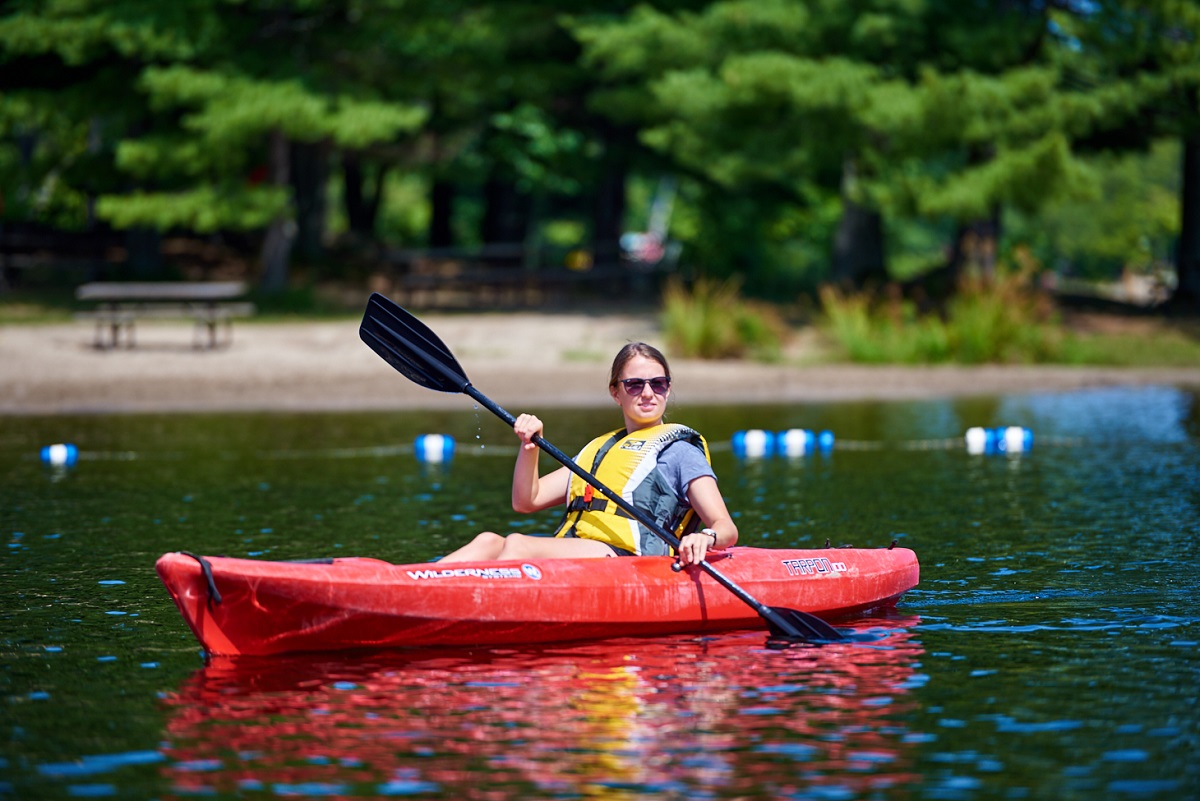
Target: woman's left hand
<point x="694" y="547"/>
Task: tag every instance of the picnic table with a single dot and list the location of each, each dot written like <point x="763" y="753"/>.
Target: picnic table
<point x="212" y="304"/>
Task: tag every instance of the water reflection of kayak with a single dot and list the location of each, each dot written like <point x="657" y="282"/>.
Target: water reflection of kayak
<point x="246" y="606"/>
<point x="717" y="716"/>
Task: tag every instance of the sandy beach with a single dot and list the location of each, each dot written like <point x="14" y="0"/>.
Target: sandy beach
<point x="519" y="359"/>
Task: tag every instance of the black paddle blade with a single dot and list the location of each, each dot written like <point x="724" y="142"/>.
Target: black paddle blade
<point x="408" y="345"/>
<point x="792" y="626"/>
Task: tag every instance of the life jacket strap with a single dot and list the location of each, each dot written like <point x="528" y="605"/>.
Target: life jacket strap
<point x="596" y="504"/>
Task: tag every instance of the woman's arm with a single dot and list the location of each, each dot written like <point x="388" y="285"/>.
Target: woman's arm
<point x="705" y="498"/>
<point x="531" y="493"/>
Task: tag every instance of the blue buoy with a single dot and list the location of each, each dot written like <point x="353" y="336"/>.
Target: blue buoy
<point x="1005" y="439"/>
<point x="60" y="454"/>
<point x="753" y="444"/>
<point x="1013" y="439"/>
<point x="434" y="448"/>
<point x="800" y="441"/>
<point x="795" y="442"/>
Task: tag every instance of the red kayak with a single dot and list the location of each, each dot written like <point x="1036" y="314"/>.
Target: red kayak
<point x="249" y="606"/>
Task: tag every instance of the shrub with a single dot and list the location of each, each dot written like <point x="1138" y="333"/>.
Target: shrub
<point x="998" y="319"/>
<point x="1002" y="320"/>
<point x="712" y="321"/>
<point x="885" y="330"/>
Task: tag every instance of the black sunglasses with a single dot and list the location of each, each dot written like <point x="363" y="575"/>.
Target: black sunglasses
<point x="634" y="386"/>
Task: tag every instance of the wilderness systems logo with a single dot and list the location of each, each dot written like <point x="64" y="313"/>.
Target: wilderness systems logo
<point x="467" y="572"/>
<point x="633" y="445"/>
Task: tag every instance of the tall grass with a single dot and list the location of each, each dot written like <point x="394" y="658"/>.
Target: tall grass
<point x="1002" y="319"/>
<point x="712" y="321"/>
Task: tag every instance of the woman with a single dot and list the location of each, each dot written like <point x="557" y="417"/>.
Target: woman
<point x="663" y="467"/>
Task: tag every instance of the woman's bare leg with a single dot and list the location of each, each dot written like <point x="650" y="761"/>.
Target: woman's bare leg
<point x="485" y="547"/>
<point x="522" y="546"/>
<point x="489" y="545"/>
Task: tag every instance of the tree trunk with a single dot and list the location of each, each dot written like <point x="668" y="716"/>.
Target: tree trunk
<point x="361" y="201"/>
<point x="277" y="244"/>
<point x="506" y="213"/>
<point x="609" y="202"/>
<point x="1186" y="296"/>
<point x="858" y="257"/>
<point x="441" y="213"/>
<point x="310" y="178"/>
<point x="608" y="214"/>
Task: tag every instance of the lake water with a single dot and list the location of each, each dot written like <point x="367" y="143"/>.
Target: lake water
<point x="1050" y="651"/>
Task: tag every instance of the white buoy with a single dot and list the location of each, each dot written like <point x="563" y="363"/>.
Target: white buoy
<point x="434" y="448"/>
<point x="977" y="438"/>
<point x="1016" y="439"/>
<point x="795" y="442"/>
<point x="753" y="444"/>
<point x="60" y="454"/>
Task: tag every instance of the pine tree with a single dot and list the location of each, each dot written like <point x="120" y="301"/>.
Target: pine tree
<point x="941" y="110"/>
<point x="1154" y="48"/>
<point x="201" y="102"/>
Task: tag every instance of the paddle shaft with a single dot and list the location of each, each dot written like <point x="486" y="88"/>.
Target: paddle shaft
<point x="633" y="511"/>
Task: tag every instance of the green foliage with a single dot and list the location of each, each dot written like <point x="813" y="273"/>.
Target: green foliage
<point x="712" y="321"/>
<point x="225" y="120"/>
<point x="1130" y="223"/>
<point x="773" y="114"/>
<point x="177" y="101"/>
<point x="205" y="209"/>
<point x="403" y="213"/>
<point x="540" y="154"/>
<point x="229" y="110"/>
<point x="946" y="111"/>
<point x="1160" y="345"/>
<point x="1000" y="320"/>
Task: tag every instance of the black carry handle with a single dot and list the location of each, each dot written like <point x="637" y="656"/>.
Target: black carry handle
<point x="414" y="350"/>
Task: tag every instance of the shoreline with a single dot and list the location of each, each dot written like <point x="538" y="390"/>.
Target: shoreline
<point x="518" y="359"/>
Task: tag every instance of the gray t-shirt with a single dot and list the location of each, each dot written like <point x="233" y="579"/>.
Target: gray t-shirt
<point x="683" y="463"/>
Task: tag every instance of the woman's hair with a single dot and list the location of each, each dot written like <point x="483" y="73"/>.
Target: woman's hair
<point x="636" y="349"/>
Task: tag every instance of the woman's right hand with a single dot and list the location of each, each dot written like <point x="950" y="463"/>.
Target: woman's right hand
<point x="526" y="427"/>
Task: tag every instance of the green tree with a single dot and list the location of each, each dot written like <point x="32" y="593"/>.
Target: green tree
<point x="1131" y="224"/>
<point x="938" y="110"/>
<point x="202" y="103"/>
<point x="510" y="127"/>
<point x="1155" y="46"/>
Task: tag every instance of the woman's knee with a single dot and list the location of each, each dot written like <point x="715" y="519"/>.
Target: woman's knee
<point x="489" y="541"/>
<point x="515" y="546"/>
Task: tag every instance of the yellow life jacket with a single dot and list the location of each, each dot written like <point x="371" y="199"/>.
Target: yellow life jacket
<point x="628" y="464"/>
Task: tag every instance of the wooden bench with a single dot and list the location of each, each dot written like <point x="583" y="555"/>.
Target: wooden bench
<point x="121" y="303"/>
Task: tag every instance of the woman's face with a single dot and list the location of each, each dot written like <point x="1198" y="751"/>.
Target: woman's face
<point x="647" y="406"/>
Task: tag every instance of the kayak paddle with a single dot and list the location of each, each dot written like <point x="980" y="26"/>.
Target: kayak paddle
<point x="414" y="350"/>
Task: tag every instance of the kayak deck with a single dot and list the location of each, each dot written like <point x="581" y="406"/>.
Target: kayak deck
<point x="248" y="606"/>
